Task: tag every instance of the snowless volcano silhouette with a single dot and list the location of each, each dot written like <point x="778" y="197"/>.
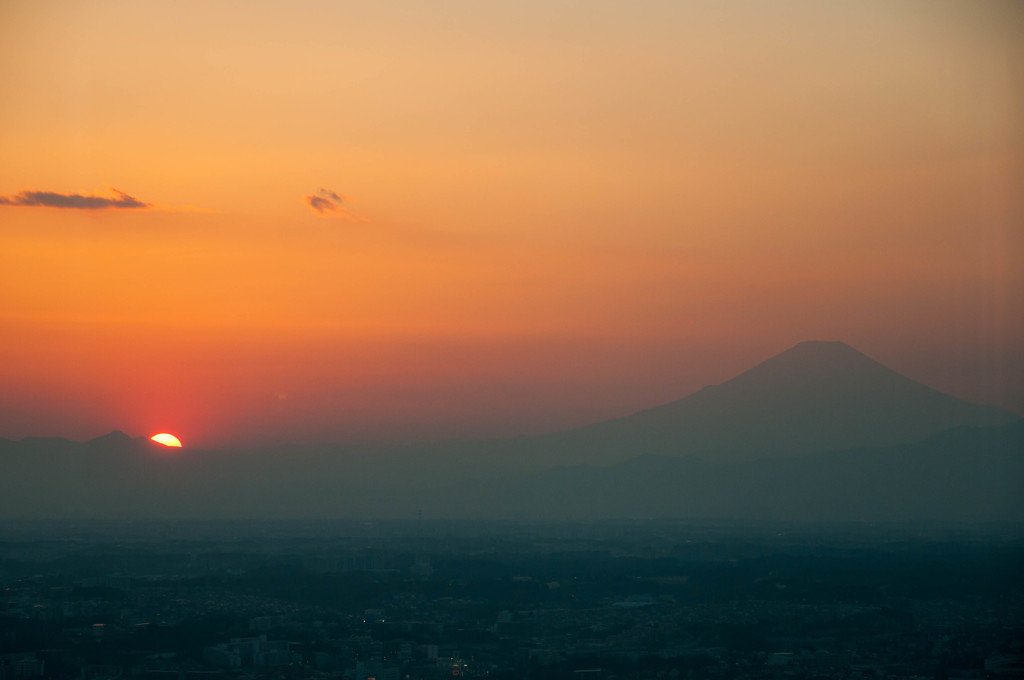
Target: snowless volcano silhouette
<point x="815" y="396"/>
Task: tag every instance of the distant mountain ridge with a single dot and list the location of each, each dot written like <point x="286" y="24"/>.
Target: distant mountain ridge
<point x="815" y="396"/>
<point x="819" y="432"/>
<point x="967" y="474"/>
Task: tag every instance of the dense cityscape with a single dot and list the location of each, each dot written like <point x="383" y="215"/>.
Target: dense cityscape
<point x="421" y="599"/>
<point x="512" y="340"/>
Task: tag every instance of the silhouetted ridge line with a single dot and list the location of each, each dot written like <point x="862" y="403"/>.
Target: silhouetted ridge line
<point x="820" y="431"/>
<point x="815" y="396"/>
<point x="813" y="358"/>
<point x="966" y="474"/>
<point x="113" y="438"/>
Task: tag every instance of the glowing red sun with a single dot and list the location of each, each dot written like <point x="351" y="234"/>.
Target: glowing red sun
<point x="166" y="439"/>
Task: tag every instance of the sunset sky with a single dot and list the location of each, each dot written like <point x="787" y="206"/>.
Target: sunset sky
<point x="255" y="222"/>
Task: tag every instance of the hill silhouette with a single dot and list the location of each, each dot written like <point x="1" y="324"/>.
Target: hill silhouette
<point x="815" y="396"/>
<point x="820" y="431"/>
<point x="964" y="475"/>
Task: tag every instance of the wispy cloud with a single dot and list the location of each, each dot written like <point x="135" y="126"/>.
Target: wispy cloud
<point x="325" y="201"/>
<point x="52" y="199"/>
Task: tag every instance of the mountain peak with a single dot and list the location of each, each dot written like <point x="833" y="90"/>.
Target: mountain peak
<point x="822" y="350"/>
<point x="815" y="396"/>
<point x="835" y="347"/>
<point x="815" y="360"/>
<point x="114" y="437"/>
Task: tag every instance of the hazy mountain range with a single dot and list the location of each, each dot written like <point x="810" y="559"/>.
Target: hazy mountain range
<point x="818" y="432"/>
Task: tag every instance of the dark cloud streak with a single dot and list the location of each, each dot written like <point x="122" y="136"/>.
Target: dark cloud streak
<point x="324" y="200"/>
<point x="51" y="199"/>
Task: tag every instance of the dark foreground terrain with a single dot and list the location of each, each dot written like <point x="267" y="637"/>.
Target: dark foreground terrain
<point x="192" y="600"/>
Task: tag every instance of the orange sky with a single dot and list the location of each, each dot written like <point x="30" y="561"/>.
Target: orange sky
<point x="552" y="212"/>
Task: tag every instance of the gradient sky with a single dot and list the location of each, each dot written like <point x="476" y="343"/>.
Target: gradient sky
<point x="530" y="215"/>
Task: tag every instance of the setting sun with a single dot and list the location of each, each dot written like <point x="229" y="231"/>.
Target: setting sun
<point x="166" y="439"/>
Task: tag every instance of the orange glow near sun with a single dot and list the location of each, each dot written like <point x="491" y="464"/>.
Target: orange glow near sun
<point x="547" y="214"/>
<point x="166" y="439"/>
